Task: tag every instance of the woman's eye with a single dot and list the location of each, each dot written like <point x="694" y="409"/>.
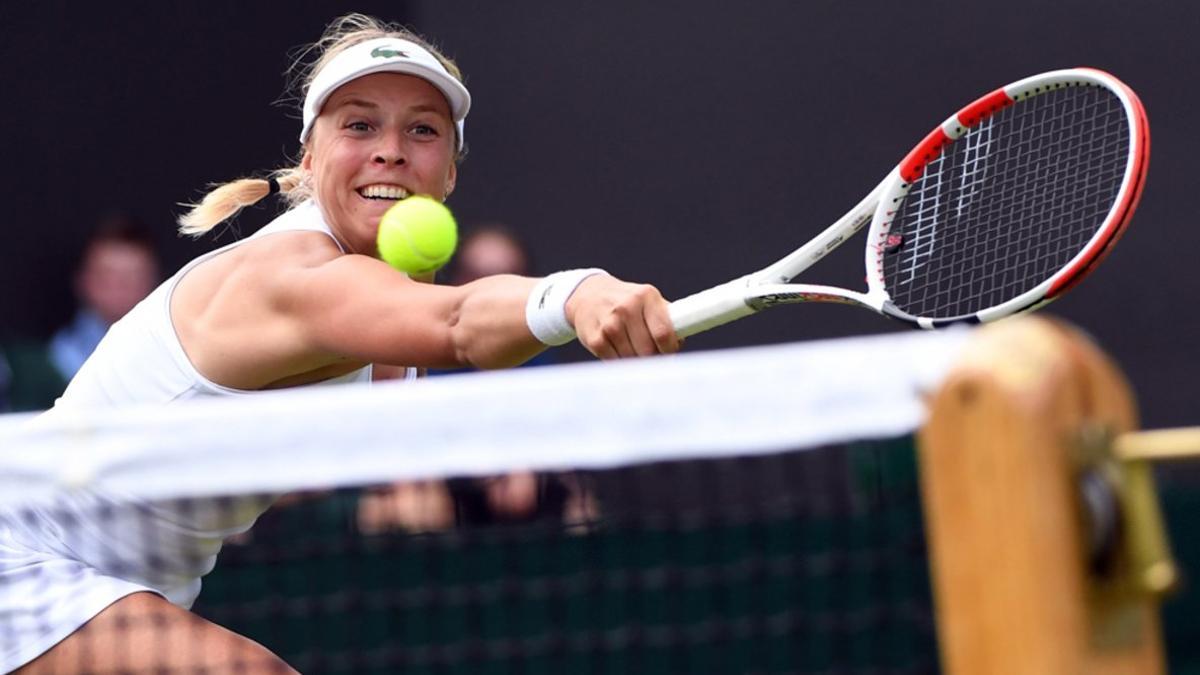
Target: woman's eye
<point x="424" y="130"/>
<point x="358" y="126"/>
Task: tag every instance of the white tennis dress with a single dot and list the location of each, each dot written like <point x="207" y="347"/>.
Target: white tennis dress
<point x="62" y="565"/>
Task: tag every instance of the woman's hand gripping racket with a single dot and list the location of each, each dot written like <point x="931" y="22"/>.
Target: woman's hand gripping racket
<point x="999" y="210"/>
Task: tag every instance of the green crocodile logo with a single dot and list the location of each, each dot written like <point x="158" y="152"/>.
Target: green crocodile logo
<point x="387" y="53"/>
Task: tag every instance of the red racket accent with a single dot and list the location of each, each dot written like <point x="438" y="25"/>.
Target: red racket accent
<point x="1114" y="229"/>
<point x="984" y="106"/>
<point x="926" y="151"/>
<point x="931" y="146"/>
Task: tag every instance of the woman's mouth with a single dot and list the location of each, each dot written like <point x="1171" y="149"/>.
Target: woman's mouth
<point x="382" y="191"/>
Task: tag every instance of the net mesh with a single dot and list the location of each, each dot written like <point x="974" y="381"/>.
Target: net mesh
<point x="720" y="576"/>
<point x="743" y="512"/>
<point x="1009" y="204"/>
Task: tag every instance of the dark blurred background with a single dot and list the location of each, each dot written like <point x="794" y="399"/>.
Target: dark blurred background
<point x="679" y="143"/>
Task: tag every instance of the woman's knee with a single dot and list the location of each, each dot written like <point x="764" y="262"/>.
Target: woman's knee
<point x="143" y="631"/>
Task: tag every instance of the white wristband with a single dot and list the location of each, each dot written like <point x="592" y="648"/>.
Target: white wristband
<point x="546" y="309"/>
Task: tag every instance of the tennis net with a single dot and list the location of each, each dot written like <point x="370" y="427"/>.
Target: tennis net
<point x="751" y="511"/>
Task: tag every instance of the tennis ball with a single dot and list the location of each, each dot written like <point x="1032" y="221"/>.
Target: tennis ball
<point x="417" y="235"/>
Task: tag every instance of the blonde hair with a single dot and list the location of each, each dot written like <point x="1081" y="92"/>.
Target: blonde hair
<point x="226" y="200"/>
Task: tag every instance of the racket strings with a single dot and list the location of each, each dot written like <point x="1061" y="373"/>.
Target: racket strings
<point x="1009" y="204"/>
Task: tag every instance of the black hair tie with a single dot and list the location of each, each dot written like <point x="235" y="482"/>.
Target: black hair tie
<point x="272" y="186"/>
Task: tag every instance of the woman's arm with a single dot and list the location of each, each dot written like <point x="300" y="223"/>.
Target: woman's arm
<point x="290" y="309"/>
<point x="359" y="307"/>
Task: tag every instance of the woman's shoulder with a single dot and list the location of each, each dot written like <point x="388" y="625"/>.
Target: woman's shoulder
<point x="298" y="236"/>
<point x="288" y="248"/>
<point x="305" y="216"/>
<point x="285" y="245"/>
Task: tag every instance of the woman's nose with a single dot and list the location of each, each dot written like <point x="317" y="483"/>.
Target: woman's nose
<point x="390" y="152"/>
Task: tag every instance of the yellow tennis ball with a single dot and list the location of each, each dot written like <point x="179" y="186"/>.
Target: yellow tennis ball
<point x="417" y="235"/>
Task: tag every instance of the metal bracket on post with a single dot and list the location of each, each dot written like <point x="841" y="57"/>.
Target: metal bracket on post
<point x="1129" y="554"/>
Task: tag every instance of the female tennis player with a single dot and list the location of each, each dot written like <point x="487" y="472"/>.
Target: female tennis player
<point x="304" y="301"/>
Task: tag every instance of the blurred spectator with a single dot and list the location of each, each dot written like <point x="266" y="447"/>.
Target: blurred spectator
<point x="119" y="266"/>
<point x="524" y="497"/>
<point x="487" y="250"/>
<point x="413" y="506"/>
<point x="519" y="497"/>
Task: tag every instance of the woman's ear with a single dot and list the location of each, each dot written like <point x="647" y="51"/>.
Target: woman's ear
<point x="451" y="181"/>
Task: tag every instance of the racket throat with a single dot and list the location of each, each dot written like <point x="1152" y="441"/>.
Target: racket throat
<point x="771" y="295"/>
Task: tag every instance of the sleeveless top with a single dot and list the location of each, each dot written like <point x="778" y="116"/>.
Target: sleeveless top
<point x="161" y="546"/>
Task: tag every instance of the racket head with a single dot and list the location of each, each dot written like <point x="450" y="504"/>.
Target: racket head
<point x="1011" y="201"/>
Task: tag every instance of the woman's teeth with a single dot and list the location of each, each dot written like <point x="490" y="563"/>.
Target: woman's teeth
<point x="383" y="192"/>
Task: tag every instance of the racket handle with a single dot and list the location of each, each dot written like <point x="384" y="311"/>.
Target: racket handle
<point x="709" y="309"/>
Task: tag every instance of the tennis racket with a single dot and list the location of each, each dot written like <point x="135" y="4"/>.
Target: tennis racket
<point x="999" y="210"/>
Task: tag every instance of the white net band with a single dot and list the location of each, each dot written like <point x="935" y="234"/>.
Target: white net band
<point x="583" y="416"/>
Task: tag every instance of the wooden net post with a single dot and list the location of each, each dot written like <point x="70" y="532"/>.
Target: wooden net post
<point x="1017" y="585"/>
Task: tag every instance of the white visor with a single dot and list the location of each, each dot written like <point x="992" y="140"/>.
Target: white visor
<point x="385" y="55"/>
